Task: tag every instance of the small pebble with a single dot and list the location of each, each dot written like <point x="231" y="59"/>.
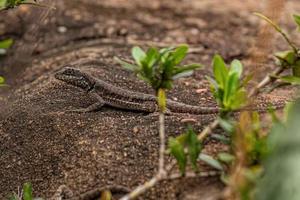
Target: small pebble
<point x="201" y="90"/>
<point x="185" y="120"/>
<point x="62" y="29"/>
<point x="136" y="129"/>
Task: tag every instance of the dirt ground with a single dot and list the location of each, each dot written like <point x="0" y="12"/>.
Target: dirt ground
<point x="42" y="144"/>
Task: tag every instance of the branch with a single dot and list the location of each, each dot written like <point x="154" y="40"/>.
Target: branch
<point x="161" y="166"/>
<point x="267" y="80"/>
<point x="208" y="129"/>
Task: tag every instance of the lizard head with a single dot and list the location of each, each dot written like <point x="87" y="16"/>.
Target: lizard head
<point x="75" y="77"/>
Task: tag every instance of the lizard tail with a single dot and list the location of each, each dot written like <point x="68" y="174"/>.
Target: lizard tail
<point x="177" y="107"/>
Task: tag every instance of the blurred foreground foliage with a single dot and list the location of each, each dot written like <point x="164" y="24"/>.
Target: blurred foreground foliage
<point x="281" y="179"/>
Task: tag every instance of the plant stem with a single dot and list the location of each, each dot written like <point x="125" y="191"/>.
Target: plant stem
<point x="161" y="101"/>
<point x="279" y="30"/>
<point x="162" y="148"/>
<point x="142" y="188"/>
<point x="267" y="80"/>
<point x="208" y="129"/>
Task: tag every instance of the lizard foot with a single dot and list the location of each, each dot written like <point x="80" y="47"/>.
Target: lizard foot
<point x="156" y="113"/>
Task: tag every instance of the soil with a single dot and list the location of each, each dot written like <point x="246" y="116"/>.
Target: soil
<point x="42" y="144"/>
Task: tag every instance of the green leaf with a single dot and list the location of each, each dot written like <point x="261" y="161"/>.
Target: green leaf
<point x="220" y="71"/>
<point x="27" y="191"/>
<point x="2" y="80"/>
<point x="296" y="68"/>
<point x="177" y="150"/>
<point x="236" y="67"/>
<point x="167" y="68"/>
<point x="286" y="57"/>
<point x="138" y="54"/>
<point x="226" y="157"/>
<point x="180" y="69"/>
<point x="5" y="44"/>
<point x="180" y="53"/>
<point x="230" y="89"/>
<point x="297" y="19"/>
<point x="227" y="125"/>
<point x="194" y="147"/>
<point x="183" y="74"/>
<point x="165" y="50"/>
<point x="290" y="79"/>
<point x="184" y="71"/>
<point x="152" y="56"/>
<point x="126" y="65"/>
<point x="221" y="138"/>
<point x="182" y="139"/>
<point x="210" y="161"/>
<point x="239" y="99"/>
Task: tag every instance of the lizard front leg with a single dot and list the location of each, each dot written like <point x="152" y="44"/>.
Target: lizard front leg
<point x="95" y="106"/>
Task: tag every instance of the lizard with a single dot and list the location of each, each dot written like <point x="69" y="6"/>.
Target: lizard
<point x="110" y="95"/>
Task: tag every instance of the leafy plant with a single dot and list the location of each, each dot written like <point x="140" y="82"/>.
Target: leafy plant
<point x="185" y="147"/>
<point x="227" y="87"/>
<point x="159" y="67"/>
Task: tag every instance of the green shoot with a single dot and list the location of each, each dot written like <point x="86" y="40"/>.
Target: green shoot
<point x="227" y="87"/>
<point x="159" y="67"/>
<point x="185" y="147"/>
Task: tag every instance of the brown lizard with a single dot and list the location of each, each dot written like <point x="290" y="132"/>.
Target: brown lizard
<point x="107" y="94"/>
